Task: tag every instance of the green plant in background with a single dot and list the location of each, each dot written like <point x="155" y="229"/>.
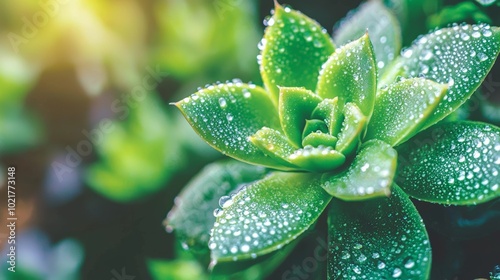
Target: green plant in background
<point x="204" y="38"/>
<point x="357" y="130"/>
<point x="136" y="154"/>
<point x="18" y="128"/>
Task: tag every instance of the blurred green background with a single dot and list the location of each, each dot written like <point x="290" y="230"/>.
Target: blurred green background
<point x="100" y="155"/>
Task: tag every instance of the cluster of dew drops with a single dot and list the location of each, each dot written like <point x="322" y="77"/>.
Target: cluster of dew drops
<point x="440" y="60"/>
<point x="308" y="36"/>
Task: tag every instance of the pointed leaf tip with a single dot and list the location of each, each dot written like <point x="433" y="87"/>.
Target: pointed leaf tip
<point x="402" y="108"/>
<point x="292" y="51"/>
<point x="351" y="75"/>
<point x="460" y="56"/>
<point x="375" y="18"/>
<point x="225" y="115"/>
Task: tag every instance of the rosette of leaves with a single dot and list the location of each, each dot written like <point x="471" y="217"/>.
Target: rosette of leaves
<point x="350" y="127"/>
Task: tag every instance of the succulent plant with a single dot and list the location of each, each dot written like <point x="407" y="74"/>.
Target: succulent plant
<point x="346" y="126"/>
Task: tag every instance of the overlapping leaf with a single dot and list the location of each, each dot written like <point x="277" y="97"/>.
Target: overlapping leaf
<point x="383" y="239"/>
<point x="267" y="215"/>
<point x="460" y="56"/>
<point x="295" y="106"/>
<point x="452" y="163"/>
<point x="225" y="115"/>
<point x="382" y="26"/>
<point x="350" y="74"/>
<point x="402" y="108"/>
<point x="370" y="174"/>
<point x="192" y="217"/>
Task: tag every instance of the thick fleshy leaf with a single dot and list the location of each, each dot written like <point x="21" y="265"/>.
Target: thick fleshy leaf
<point x="192" y="216"/>
<point x="317" y="139"/>
<point x="351" y="75"/>
<point x="452" y="163"/>
<point x="383" y="238"/>
<point x="313" y="126"/>
<point x="293" y="49"/>
<point x="460" y="56"/>
<point x="317" y="159"/>
<point x="370" y="175"/>
<point x="328" y="111"/>
<point x="225" y="115"/>
<point x="382" y="26"/>
<point x="274" y="144"/>
<point x="295" y="106"/>
<point x="352" y="129"/>
<point x="401" y="109"/>
<point x="251" y="269"/>
<point x="267" y="215"/>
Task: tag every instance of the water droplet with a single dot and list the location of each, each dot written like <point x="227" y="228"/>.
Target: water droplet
<point x="229" y="117"/>
<point x="225" y="201"/>
<point x="451" y="82"/>
<point x="245" y="248"/>
<point x="409" y="263"/>
<point x="269" y="21"/>
<point x="218" y="212"/>
<point x="426" y="55"/>
<point x="222" y="103"/>
<point x="407" y="53"/>
<point x="482" y="57"/>
<point x="233" y="249"/>
<point x="397" y="273"/>
<point x="381" y="265"/>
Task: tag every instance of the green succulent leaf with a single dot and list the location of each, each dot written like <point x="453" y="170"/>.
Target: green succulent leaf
<point x="313" y="126"/>
<point x="225" y="115"/>
<point x="317" y="139"/>
<point x="295" y="106"/>
<point x="274" y="144"/>
<point x="452" y="163"/>
<point x="384" y="238"/>
<point x="267" y="215"/>
<point x="328" y="111"/>
<point x="192" y="216"/>
<point x="352" y="129"/>
<point x="402" y="108"/>
<point x="370" y="175"/>
<point x="251" y="269"/>
<point x="460" y="56"/>
<point x="289" y="38"/>
<point x="317" y="159"/>
<point x="351" y="75"/>
<point x="382" y="26"/>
